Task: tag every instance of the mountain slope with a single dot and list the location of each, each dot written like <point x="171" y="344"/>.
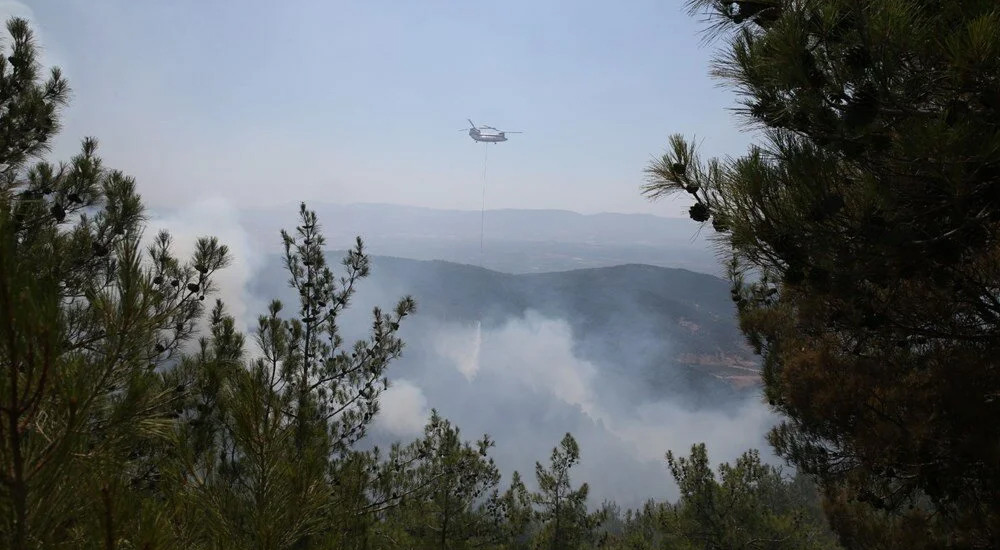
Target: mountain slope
<point x="631" y="359"/>
<point x="666" y="331"/>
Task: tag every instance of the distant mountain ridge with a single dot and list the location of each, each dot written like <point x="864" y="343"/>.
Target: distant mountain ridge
<point x="514" y="241"/>
<point x="540" y="225"/>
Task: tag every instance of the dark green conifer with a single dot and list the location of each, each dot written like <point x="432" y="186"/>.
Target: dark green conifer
<point x="872" y="205"/>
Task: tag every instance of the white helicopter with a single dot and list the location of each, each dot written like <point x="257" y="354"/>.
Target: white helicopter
<point x="477" y="134"/>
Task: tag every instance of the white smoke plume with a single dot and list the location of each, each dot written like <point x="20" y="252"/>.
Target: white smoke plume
<point x="462" y="348"/>
<point x="404" y="410"/>
<point x="217" y="217"/>
<point x="522" y="383"/>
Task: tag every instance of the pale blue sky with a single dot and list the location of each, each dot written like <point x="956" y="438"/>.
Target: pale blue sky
<point x="267" y="102"/>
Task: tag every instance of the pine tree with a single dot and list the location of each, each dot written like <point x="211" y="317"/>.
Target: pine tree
<point x="237" y="479"/>
<point x="749" y="505"/>
<point x="335" y="390"/>
<point x="642" y="529"/>
<point x="650" y="526"/>
<point x="268" y="442"/>
<point x="88" y="323"/>
<point x="560" y="509"/>
<point x="454" y="504"/>
<point x="861" y="235"/>
<point x="515" y="507"/>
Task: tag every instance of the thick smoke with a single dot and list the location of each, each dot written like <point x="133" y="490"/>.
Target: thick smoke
<point x="217" y="217"/>
<point x="522" y="383"/>
<point x="404" y="410"/>
<point x="462" y="347"/>
<point x="524" y="379"/>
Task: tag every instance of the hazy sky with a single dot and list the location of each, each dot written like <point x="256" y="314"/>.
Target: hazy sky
<point x="266" y="102"/>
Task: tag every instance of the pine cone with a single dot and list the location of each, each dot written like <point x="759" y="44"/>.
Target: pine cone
<point x="58" y="212"/>
<point x="699" y="212"/>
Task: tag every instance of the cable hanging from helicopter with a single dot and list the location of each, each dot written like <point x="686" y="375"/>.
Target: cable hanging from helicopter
<point x="496" y="136"/>
<point x="477" y="134"/>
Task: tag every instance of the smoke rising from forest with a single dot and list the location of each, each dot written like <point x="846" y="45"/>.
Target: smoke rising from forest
<point x="529" y="387"/>
<point x="217" y="217"/>
<point x="522" y="380"/>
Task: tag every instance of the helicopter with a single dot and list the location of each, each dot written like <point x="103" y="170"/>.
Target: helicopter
<point x="477" y="134"/>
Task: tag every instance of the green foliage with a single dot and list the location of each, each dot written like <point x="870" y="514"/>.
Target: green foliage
<point x="862" y="239"/>
<point x="518" y="514"/>
<point x="454" y="502"/>
<point x="266" y="451"/>
<point x="560" y="509"/>
<point x="744" y="505"/>
<point x="238" y="478"/>
<point x="31" y="105"/>
<point x="112" y="435"/>
<point x="87" y="320"/>
<point x="748" y="506"/>
<point x="859" y="526"/>
<point x="334" y="389"/>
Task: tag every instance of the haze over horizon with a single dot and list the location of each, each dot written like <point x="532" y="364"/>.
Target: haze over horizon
<point x="362" y="102"/>
<point x="470" y="208"/>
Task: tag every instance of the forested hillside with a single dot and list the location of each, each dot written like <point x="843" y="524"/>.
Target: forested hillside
<point x="672" y="331"/>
